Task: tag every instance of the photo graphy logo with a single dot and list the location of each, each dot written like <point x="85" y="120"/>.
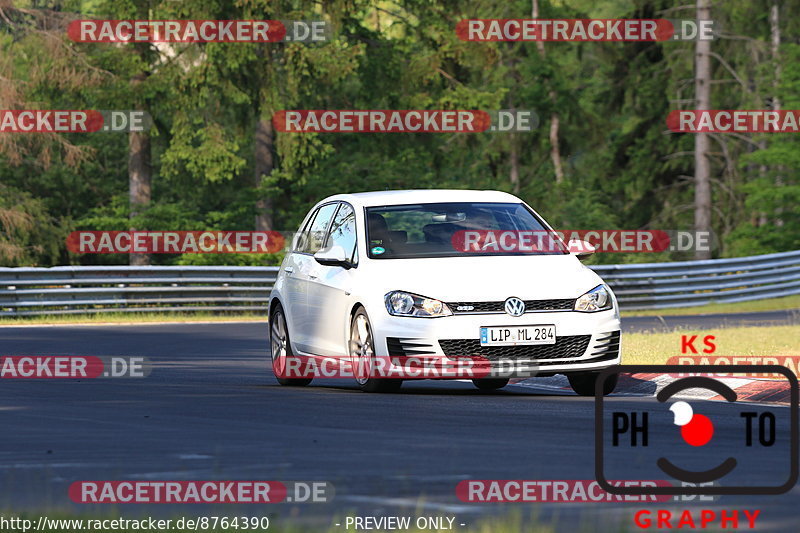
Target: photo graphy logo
<point x="694" y="431"/>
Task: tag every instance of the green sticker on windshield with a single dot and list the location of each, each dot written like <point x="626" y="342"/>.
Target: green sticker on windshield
<point x="378" y="250"/>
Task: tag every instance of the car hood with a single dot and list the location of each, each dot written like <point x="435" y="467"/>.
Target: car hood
<point x="486" y="278"/>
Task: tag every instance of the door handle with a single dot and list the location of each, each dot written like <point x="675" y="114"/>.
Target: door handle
<point x="288" y="270"/>
<point x="312" y="276"/>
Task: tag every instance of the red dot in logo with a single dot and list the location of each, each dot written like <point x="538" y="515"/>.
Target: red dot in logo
<point x="698" y="431"/>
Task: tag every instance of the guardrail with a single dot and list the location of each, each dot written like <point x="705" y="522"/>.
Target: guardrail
<point x="691" y="283"/>
<point x="123" y="289"/>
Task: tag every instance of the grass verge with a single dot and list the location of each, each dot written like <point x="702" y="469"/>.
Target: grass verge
<point x="771" y="304"/>
<point x="656" y="348"/>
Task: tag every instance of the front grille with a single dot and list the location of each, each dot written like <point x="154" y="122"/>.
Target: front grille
<point x="566" y="347"/>
<point x="477" y="307"/>
<point x="499" y="307"/>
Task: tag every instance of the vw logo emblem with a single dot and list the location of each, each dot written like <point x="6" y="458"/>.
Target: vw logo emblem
<point x="514" y="306"/>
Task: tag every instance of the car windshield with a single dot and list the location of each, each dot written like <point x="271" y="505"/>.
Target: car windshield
<point x="457" y="229"/>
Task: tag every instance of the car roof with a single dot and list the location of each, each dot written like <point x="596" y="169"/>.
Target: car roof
<point x="415" y="196"/>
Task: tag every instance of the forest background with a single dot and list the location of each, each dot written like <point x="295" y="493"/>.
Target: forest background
<point x="601" y="157"/>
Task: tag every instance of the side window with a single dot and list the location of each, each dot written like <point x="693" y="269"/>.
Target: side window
<point x="301" y="238"/>
<point x="315" y="232"/>
<point x="343" y="230"/>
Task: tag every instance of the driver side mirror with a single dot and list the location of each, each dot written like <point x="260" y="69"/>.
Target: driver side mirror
<point x="333" y="256"/>
<point x="580" y="249"/>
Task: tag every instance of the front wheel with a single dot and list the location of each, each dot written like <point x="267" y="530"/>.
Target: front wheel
<point x="583" y="383"/>
<point x="281" y="349"/>
<point x="362" y="356"/>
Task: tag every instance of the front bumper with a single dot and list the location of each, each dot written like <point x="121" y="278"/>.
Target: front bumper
<point x="584" y="341"/>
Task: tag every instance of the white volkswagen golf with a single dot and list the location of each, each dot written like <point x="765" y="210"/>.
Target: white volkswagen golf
<point x="421" y="273"/>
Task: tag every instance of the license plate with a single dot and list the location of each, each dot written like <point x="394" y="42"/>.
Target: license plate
<point x="518" y="335"/>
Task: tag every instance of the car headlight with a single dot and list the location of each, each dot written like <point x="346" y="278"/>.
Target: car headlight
<point x="597" y="299"/>
<point x="400" y="303"/>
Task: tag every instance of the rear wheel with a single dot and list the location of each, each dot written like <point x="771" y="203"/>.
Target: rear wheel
<point x="583" y="383"/>
<point x="490" y="383"/>
<point x="281" y="349"/>
<point x="362" y="356"/>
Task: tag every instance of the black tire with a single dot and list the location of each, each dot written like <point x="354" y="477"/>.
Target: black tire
<point x="362" y="356"/>
<point x="490" y="383"/>
<point x="583" y="383"/>
<point x="281" y="347"/>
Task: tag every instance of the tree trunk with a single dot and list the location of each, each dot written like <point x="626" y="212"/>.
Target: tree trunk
<point x="139" y="167"/>
<point x="514" y="174"/>
<point x="702" y="163"/>
<point x="555" y="151"/>
<point x="775" y="43"/>
<point x="265" y="140"/>
<point x="139" y="182"/>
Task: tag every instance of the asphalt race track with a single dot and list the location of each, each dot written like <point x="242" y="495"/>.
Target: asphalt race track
<point x="212" y="410"/>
